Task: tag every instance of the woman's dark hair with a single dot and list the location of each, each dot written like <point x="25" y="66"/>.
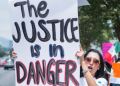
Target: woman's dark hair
<point x="108" y="66"/>
<point x="107" y="69"/>
<point x="99" y="73"/>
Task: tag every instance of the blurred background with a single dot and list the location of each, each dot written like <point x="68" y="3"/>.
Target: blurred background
<point x="99" y="23"/>
<point x="6" y="42"/>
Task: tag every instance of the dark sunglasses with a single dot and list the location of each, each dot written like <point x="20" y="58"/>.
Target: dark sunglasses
<point x="95" y="61"/>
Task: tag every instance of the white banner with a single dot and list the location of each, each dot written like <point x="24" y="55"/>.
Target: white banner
<point x="46" y="37"/>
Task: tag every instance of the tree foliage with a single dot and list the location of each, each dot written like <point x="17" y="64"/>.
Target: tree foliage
<point x="2" y="54"/>
<point x="112" y="12"/>
<point x="11" y="52"/>
<point x="93" y="27"/>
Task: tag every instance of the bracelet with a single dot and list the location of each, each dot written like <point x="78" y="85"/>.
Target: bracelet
<point x="84" y="71"/>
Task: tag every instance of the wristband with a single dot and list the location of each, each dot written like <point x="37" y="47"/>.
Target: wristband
<point x="84" y="71"/>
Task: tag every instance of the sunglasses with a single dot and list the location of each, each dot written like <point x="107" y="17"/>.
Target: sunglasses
<point x="95" y="61"/>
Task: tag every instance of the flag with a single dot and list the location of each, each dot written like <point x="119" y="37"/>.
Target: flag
<point x="83" y="3"/>
<point x="112" y="51"/>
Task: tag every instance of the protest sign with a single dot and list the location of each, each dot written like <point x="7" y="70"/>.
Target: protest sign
<point x="113" y="79"/>
<point x="46" y="37"/>
<point x="116" y="69"/>
<point x="105" y="48"/>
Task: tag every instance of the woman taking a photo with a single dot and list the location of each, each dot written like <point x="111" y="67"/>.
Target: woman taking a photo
<point x="92" y="68"/>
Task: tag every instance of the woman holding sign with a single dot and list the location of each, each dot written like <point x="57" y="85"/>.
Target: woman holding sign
<point x="92" y="68"/>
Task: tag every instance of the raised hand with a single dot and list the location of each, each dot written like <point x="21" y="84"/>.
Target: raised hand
<point x="80" y="54"/>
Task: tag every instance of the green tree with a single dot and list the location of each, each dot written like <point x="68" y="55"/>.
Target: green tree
<point x="11" y="52"/>
<point x="2" y="54"/>
<point x="111" y="10"/>
<point x="93" y="27"/>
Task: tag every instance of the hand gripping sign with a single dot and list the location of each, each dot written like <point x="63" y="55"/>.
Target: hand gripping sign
<point x="46" y="37"/>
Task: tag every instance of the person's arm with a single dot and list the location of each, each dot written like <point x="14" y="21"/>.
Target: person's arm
<point x="115" y="57"/>
<point x="108" y="80"/>
<point x="108" y="77"/>
<point x="89" y="78"/>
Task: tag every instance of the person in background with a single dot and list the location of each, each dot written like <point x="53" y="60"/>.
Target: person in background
<point x="115" y="58"/>
<point x="107" y="70"/>
<point x="118" y="60"/>
<point x="92" y="68"/>
<point x="116" y="80"/>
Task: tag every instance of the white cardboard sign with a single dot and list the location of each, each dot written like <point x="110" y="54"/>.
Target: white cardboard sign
<point x="113" y="79"/>
<point x="46" y="37"/>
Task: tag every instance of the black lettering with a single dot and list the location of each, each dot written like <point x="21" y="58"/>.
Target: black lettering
<point x="62" y="30"/>
<point x="55" y="48"/>
<point x="69" y="73"/>
<point x="22" y="8"/>
<point x="32" y="51"/>
<point x="53" y="22"/>
<point x="39" y="71"/>
<point x="37" y="48"/>
<point x="53" y="81"/>
<point x="37" y="53"/>
<point x="50" y="50"/>
<point x="18" y="65"/>
<point x="31" y="74"/>
<point x="47" y="34"/>
<point x="42" y="6"/>
<point x="18" y="33"/>
<point x="65" y="30"/>
<point x="30" y="9"/>
<point x="58" y="71"/>
<point x="33" y="32"/>
<point x="73" y="29"/>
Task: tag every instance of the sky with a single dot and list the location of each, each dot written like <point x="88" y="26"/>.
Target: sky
<point x="5" y="29"/>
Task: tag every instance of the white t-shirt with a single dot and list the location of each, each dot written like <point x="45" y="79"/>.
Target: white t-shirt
<point x="99" y="81"/>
